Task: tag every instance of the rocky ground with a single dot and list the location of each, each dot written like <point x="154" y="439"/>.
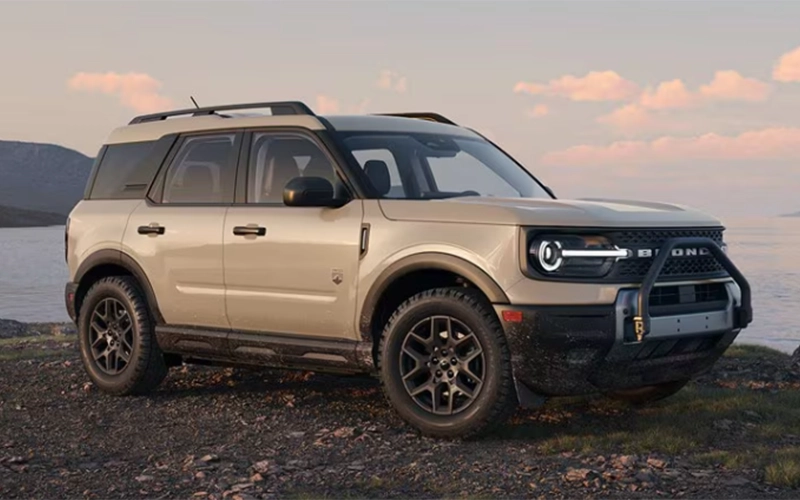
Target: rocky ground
<point x="225" y="433"/>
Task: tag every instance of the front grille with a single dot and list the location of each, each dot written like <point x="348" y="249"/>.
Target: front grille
<point x="685" y="299"/>
<point x="676" y="268"/>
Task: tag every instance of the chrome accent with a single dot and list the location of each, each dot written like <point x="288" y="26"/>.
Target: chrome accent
<point x="618" y="253"/>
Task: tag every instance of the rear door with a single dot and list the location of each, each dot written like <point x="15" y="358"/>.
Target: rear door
<point x="176" y="234"/>
<point x="290" y="270"/>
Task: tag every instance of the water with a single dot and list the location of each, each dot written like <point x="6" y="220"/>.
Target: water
<point x="33" y="273"/>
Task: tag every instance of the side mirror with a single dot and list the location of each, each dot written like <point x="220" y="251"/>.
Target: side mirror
<point x="310" y="192"/>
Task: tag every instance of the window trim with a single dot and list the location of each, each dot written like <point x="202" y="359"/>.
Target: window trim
<point x="155" y="195"/>
<point x="243" y="171"/>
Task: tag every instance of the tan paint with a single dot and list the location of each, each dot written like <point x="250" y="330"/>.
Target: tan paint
<point x="283" y="282"/>
<point x="94" y="226"/>
<point x="546" y="212"/>
<point x="184" y="264"/>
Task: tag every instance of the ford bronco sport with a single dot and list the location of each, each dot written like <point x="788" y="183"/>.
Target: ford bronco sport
<point x="402" y="246"/>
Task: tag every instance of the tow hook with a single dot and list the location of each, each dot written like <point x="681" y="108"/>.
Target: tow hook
<point x="638" y="328"/>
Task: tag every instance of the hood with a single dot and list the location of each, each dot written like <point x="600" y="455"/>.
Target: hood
<point x="587" y="213"/>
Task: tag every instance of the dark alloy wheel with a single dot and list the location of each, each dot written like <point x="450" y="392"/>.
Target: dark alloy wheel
<point x="445" y="365"/>
<point x="442" y="365"/>
<point x="117" y="338"/>
<point x="111" y="336"/>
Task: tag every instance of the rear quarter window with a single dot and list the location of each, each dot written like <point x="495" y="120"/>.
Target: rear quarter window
<point x="125" y="171"/>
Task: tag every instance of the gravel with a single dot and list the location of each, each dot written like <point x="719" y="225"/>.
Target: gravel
<point x="227" y="433"/>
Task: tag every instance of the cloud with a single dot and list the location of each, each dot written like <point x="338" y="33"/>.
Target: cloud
<point x="731" y="86"/>
<point x="629" y="118"/>
<point x="137" y="91"/>
<point x="787" y="68"/>
<point x="764" y="144"/>
<point x="673" y="94"/>
<point x="668" y="95"/>
<point x="327" y="105"/>
<point x="595" y="86"/>
<point x="726" y="86"/>
<point x="539" y="111"/>
<point x="391" y="80"/>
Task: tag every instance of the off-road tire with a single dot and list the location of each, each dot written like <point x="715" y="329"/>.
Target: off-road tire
<point x="494" y="402"/>
<point x="146" y="368"/>
<point x="647" y="394"/>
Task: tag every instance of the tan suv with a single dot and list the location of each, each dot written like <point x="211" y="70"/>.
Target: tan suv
<point x="399" y="245"/>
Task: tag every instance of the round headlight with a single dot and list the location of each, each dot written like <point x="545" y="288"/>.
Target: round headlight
<point x="549" y="255"/>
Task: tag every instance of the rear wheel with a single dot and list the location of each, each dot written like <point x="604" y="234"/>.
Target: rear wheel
<point x="117" y="340"/>
<point x="445" y="364"/>
<point x="648" y="394"/>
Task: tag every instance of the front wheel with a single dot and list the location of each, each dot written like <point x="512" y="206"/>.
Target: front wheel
<point x="445" y="364"/>
<point x="648" y="394"/>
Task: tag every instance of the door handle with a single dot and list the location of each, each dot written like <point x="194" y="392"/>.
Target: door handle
<point x="249" y="231"/>
<point x="152" y="229"/>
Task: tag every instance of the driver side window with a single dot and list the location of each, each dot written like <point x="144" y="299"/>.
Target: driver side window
<point x="277" y="158"/>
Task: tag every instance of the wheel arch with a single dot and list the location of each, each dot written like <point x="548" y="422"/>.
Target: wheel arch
<point x="108" y="262"/>
<point x="440" y="265"/>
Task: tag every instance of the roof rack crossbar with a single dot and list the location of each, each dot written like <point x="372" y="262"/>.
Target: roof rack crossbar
<point x="433" y="117"/>
<point x="277" y="108"/>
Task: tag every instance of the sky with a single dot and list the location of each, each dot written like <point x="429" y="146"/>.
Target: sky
<point x="688" y="102"/>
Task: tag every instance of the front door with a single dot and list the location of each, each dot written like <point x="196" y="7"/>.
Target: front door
<point x="176" y="238"/>
<point x="290" y="270"/>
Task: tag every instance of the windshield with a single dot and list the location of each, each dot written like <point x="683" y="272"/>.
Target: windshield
<point x="433" y="166"/>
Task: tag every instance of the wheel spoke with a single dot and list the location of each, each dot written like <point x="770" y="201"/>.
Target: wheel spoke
<point x="426" y="387"/>
<point x="467" y="371"/>
<point x="418" y="357"/>
<point x="123" y="355"/>
<point x="424" y="342"/>
<point x="416" y="372"/>
<point x="450" y="399"/>
<point x="436" y="400"/>
<point x="461" y="387"/>
<point x="126" y="343"/>
<point x="471" y="356"/>
<point x="98" y="341"/>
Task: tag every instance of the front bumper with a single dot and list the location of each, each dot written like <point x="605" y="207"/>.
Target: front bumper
<point x="571" y="350"/>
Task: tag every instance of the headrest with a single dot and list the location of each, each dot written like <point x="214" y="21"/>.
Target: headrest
<point x="378" y="174"/>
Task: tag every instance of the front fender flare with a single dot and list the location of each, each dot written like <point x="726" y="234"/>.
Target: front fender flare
<point x="426" y="260"/>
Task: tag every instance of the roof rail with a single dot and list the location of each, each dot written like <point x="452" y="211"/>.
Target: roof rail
<point x="278" y="108"/>
<point x="432" y="117"/>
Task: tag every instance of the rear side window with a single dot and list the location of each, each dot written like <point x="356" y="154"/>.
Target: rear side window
<point x="203" y="171"/>
<point x="123" y="173"/>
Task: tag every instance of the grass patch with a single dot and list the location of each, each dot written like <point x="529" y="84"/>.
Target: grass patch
<point x="784" y="469"/>
<point x="33" y="340"/>
<point x="22" y="354"/>
<point x="732" y="428"/>
<point x="19" y="348"/>
<point x="751" y="351"/>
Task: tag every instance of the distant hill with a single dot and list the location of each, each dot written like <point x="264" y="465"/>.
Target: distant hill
<point x="19" y="217"/>
<point x="41" y="177"/>
<point x="796" y="214"/>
